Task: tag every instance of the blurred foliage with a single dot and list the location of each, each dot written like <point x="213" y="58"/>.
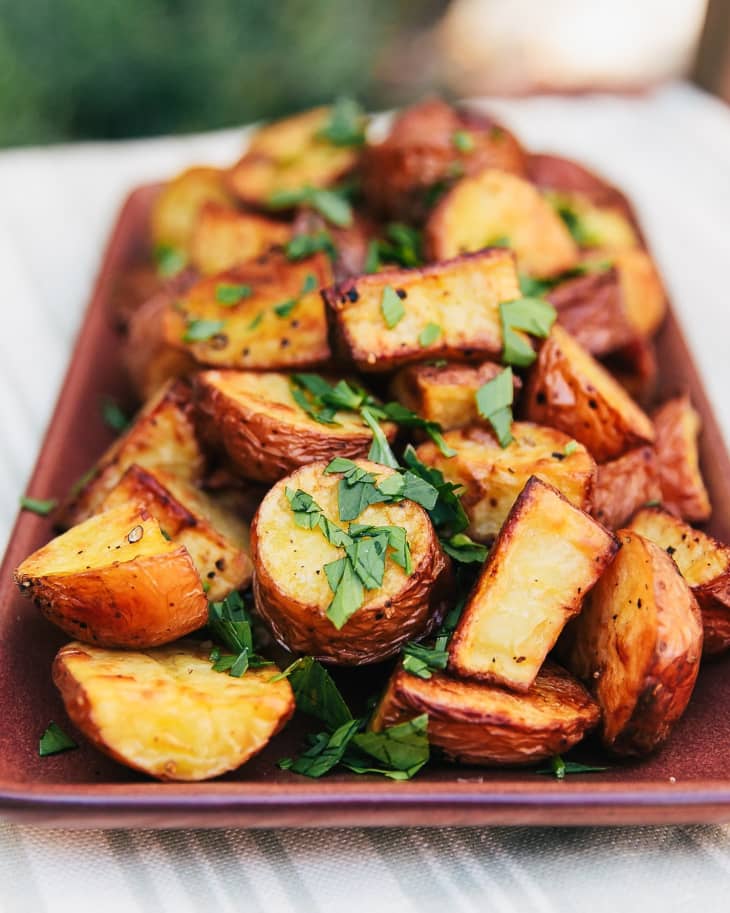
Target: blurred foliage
<point x="111" y="68"/>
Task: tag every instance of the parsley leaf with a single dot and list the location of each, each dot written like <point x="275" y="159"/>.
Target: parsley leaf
<point x="202" y="330"/>
<point x="324" y="753"/>
<point x="532" y="315"/>
<point x="372" y="257"/>
<point x="286" y="307"/>
<point x="429" y="334"/>
<point x="494" y="403"/>
<point x="55" y="740"/>
<point x="256" y="321"/>
<point x="346" y="124"/>
<point x="380" y="451"/>
<point x="559" y="768"/>
<point x="38" y="505"/>
<point x="464" y="549"/>
<point x="113" y="415"/>
<point x="422" y="661"/>
<point x="229" y="294"/>
<point x="448" y="514"/>
<point x="402" y="245"/>
<point x="402" y="747"/>
<point x="230" y="623"/>
<point x="347" y="588"/>
<point x="463" y="141"/>
<point x="302" y="246"/>
<point x="570" y="447"/>
<point x="170" y="260"/>
<point x="315" y="692"/>
<point x="391" y="307"/>
<point x="328" y="203"/>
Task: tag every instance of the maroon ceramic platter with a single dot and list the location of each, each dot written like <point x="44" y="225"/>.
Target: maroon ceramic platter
<point x="686" y="781"/>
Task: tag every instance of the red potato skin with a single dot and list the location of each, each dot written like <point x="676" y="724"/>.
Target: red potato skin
<point x="683" y="489"/>
<point x="624" y="485"/>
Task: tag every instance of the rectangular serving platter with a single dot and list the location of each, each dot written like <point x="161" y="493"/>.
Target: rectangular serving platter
<point x="687" y="781"/>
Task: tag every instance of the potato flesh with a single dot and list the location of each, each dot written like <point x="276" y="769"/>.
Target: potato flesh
<point x="166" y="712"/>
<point x="569" y="390"/>
<point x="494" y="205"/>
<point x="600" y="226"/>
<point x="461" y="296"/>
<point x="224" y="237"/>
<point x="483" y="724"/>
<point x="644" y="298"/>
<point x="677" y="426"/>
<point x="547" y="557"/>
<point x="180" y="201"/>
<point x="493" y="476"/>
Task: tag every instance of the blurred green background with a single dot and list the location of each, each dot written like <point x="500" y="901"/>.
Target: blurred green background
<point x="77" y="69"/>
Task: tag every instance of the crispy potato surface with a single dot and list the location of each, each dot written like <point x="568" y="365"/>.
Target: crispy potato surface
<point x="288" y="155"/>
<point x="255" y="420"/>
<point x="493" y="476"/>
<point x="162" y="434"/>
<point x="703" y="562"/>
<point x="116" y="581"/>
<point x="224" y="237"/>
<point x="474" y="723"/>
<point x="568" y="389"/>
<point x="638" y="643"/>
<point x="677" y="426"/>
<point x="176" y="209"/>
<point x="216" y="539"/>
<point x="460" y="297"/>
<point x="547" y="556"/>
<point x="291" y="588"/>
<point x="625" y="484"/>
<point x="166" y="713"/>
<point x="496" y="206"/>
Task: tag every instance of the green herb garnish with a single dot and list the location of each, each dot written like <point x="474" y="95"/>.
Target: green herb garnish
<point x="330" y="204"/>
<point x="256" y="321"/>
<point x="315" y="692"/>
<point x="559" y="768"/>
<point x="463" y="141"/>
<point x="531" y="315"/>
<point x="38" y="505"/>
<point x="494" y="403"/>
<point x="302" y="246"/>
<point x="391" y="307"/>
<point x="286" y="307"/>
<point x="54" y="740"/>
<point x="169" y="260"/>
<point x="113" y="415"/>
<point x="570" y="447"/>
<point x="202" y="330"/>
<point x="230" y="623"/>
<point x="229" y="294"/>
<point x="346" y="124"/>
<point x="429" y="334"/>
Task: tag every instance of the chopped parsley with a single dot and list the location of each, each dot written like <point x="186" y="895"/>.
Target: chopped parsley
<point x="494" y="403"/>
<point x="402" y="245"/>
<point x="169" y="260"/>
<point x="302" y="246"/>
<point x="202" y="330"/>
<point x="463" y="141"/>
<point x="229" y="294"/>
<point x="315" y="692"/>
<point x="113" y="415"/>
<point x="423" y="661"/>
<point x="429" y="334"/>
<point x="333" y="205"/>
<point x="570" y="447"/>
<point x="531" y="315"/>
<point x="346" y="124"/>
<point x="286" y="307"/>
<point x="256" y="321"/>
<point x="38" y="505"/>
<point x="559" y="768"/>
<point x="230" y="623"/>
<point x="54" y="740"/>
<point x="391" y="307"/>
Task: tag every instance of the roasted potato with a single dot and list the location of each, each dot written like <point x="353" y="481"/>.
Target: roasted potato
<point x="551" y="172"/>
<point x="642" y="292"/>
<point x="178" y="205"/>
<point x="166" y="712"/>
<point x="278" y="322"/>
<point x="223" y="237"/>
<point x="493" y="476"/>
<point x="429" y="146"/>
<point x="134" y="285"/>
<point x="494" y="206"/>
<point x="116" y="581"/>
<point x="623" y="485"/>
<point x="445" y="393"/>
<point x="255" y="420"/>
<point x="216" y="539"/>
<point x="292" y="591"/>
<point x="474" y="723"/>
<point x="546" y="558"/>
<point x="568" y="389"/>
<point x="288" y="155"/>
<point x="638" y="643"/>
<point x="703" y="562"/>
<point x="162" y="434"/>
<point x="677" y="426"/>
<point x="635" y="367"/>
<point x="592" y="226"/>
<point x="460" y="297"/>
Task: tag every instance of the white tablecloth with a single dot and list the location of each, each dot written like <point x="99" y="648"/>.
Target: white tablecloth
<point x="671" y="152"/>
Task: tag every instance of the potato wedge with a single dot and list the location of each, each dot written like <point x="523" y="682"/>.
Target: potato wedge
<point x="166" y="713"/>
<point x="133" y="286"/>
<point x="162" y="434"/>
<point x="461" y="297"/>
<point x="635" y="368"/>
<point x="677" y="426"/>
<point x="568" y="389"/>
<point x="290" y="154"/>
<point x="493" y="476"/>
<point x="474" y="723"/>
<point x="625" y="484"/>
<point x="445" y="393"/>
<point x="642" y="291"/>
<point x="292" y="591"/>
<point x="494" y="205"/>
<point x="703" y="562"/>
<point x="638" y="643"/>
<point x="430" y="145"/>
<point x="546" y="558"/>
<point x="178" y="205"/>
<point x="255" y="420"/>
<point x="223" y="237"/>
<point x="115" y="580"/>
<point x="278" y="322"/>
<point x="218" y="542"/>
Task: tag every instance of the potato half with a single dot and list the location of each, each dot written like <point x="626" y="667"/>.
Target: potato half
<point x="474" y="723"/>
<point x="445" y="393"/>
<point x="255" y="419"/>
<point x="677" y="426"/>
<point x="461" y="297"/>
<point x="491" y="206"/>
<point x="178" y="205"/>
<point x="624" y="485"/>
<point x="546" y="558"/>
<point x="224" y="237"/>
<point x="290" y="154"/>
<point x="291" y="589"/>
<point x="218" y="542"/>
<point x="638" y="643"/>
<point x="166" y="713"/>
<point x="162" y="434"/>
<point x="493" y="476"/>
<point x="568" y="389"/>
<point x="703" y="562"/>
<point x="116" y="581"/>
